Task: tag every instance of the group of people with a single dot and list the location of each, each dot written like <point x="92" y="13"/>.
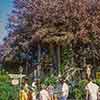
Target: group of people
<point x="27" y="92"/>
<point x="46" y="93"/>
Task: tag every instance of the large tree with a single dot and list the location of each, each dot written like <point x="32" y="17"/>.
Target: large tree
<point x="30" y="18"/>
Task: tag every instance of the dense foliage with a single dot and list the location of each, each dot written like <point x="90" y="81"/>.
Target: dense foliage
<point x="7" y="91"/>
<point x="51" y="79"/>
<point x="76" y="15"/>
<point x="36" y="21"/>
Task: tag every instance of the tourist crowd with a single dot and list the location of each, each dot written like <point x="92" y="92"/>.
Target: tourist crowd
<point x="48" y="92"/>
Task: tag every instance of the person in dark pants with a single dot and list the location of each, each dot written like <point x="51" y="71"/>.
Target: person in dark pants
<point x="65" y="90"/>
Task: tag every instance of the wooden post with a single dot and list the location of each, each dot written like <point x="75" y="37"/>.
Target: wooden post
<point x="39" y="57"/>
<point x="53" y="55"/>
<point x="39" y="53"/>
<point x="72" y="59"/>
<point x="84" y="65"/>
<point x="27" y="66"/>
<point x="58" y="58"/>
<point x="84" y="61"/>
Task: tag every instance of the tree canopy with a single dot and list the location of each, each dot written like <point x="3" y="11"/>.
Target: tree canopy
<point x="79" y="19"/>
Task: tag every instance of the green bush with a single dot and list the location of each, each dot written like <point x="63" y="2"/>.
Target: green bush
<point x="50" y="80"/>
<point x="8" y="92"/>
<point x="97" y="81"/>
<point x="4" y="76"/>
<point x="79" y="91"/>
<point x="72" y="86"/>
<point x="78" y="94"/>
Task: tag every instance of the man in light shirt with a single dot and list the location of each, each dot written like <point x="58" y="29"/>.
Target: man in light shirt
<point x="65" y="90"/>
<point x="91" y="91"/>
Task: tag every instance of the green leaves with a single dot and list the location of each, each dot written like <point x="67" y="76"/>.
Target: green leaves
<point x="50" y="80"/>
<point x="66" y="58"/>
<point x="78" y="90"/>
<point x="4" y="76"/>
<point x="7" y="91"/>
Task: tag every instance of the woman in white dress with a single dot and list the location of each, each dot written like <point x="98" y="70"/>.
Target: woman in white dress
<point x="44" y="95"/>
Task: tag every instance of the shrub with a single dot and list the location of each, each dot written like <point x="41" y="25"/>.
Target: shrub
<point x="50" y="80"/>
<point x="4" y="76"/>
<point x="97" y="81"/>
<point x="79" y="91"/>
<point x="72" y="86"/>
<point x="78" y="94"/>
<point x="8" y="92"/>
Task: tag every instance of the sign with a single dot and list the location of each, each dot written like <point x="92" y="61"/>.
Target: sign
<point x="97" y="75"/>
<point x="15" y="82"/>
<point x="16" y="76"/>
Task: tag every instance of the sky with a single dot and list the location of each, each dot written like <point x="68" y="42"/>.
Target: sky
<point x="5" y="9"/>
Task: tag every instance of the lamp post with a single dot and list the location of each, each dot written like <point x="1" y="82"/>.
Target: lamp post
<point x="20" y="70"/>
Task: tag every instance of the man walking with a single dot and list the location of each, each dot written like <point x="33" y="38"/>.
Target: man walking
<point x="91" y="90"/>
<point x="65" y="90"/>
